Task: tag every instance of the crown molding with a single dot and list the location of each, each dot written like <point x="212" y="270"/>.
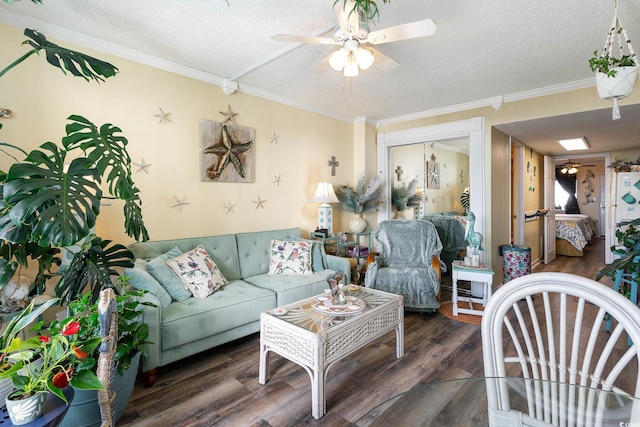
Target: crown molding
<point x="50" y="30"/>
<point x="518" y="96"/>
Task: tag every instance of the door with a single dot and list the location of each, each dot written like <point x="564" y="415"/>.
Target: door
<point x="549" y="203"/>
<point x="517" y="192"/>
<point x="602" y="220"/>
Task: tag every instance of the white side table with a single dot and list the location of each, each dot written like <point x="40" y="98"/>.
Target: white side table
<point x="482" y="274"/>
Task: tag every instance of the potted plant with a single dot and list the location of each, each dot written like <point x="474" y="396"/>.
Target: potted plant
<point x="615" y="77"/>
<point x="48" y="204"/>
<point x="367" y="9"/>
<point x="628" y="250"/>
<point x="366" y="196"/>
<point x="131" y="339"/>
<point x="406" y="196"/>
<point x="61" y="357"/>
<point x="15" y="326"/>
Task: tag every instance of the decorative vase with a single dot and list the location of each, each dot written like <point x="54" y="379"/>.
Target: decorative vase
<point x="357" y="224"/>
<point x="619" y="86"/>
<point x="85" y="411"/>
<point x="23" y="411"/>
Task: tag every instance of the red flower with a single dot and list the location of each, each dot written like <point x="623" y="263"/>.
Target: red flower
<point x="71" y="328"/>
<point x="79" y="353"/>
<point x="61" y="380"/>
<point x="44" y="339"/>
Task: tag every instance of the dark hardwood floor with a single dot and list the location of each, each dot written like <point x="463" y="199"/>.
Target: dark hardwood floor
<point x="220" y="386"/>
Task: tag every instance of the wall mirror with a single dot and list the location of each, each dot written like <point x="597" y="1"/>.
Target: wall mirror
<point x="444" y="151"/>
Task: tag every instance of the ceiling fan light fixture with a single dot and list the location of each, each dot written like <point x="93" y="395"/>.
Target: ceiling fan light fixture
<point x="364" y="58"/>
<point x="338" y="59"/>
<point x="564" y="170"/>
<point x="351" y="67"/>
<point x="572" y="170"/>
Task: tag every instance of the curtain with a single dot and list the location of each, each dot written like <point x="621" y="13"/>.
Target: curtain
<point x="569" y="184"/>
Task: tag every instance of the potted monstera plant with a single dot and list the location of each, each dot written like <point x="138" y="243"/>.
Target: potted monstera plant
<point x="51" y="198"/>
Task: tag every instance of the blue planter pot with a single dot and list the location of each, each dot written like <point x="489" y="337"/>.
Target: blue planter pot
<point x="84" y="411"/>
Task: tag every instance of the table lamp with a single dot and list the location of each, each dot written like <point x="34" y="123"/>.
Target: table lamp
<point x="325" y="194"/>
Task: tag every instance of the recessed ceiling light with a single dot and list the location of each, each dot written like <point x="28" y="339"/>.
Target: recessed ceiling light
<point x="574" y="144"/>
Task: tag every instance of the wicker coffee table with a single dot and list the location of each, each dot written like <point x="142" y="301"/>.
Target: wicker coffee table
<point x="316" y="339"/>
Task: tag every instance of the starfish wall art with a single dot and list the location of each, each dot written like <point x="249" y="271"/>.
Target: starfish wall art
<point x="227" y="152"/>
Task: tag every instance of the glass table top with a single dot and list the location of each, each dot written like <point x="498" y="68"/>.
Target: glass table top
<point x="314" y="319"/>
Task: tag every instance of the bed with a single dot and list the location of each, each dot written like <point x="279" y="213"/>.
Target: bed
<point x="573" y="233"/>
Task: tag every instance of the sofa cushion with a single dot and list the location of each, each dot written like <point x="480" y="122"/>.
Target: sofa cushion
<point x="292" y="287"/>
<point x="198" y="272"/>
<point x="236" y="304"/>
<point x="159" y="269"/>
<point x="318" y="254"/>
<point x="140" y="279"/>
<point x="290" y="257"/>
<point x="254" y="250"/>
<point x="222" y="250"/>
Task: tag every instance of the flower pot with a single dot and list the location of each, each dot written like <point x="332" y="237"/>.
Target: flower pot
<point x="357" y="224"/>
<point x="23" y="411"/>
<point x="84" y="411"/>
<point x="619" y="86"/>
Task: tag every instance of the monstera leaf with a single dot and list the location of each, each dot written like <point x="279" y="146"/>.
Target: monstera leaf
<point x="47" y="204"/>
<point x="77" y="63"/>
<point x="52" y="205"/>
<point x="91" y="268"/>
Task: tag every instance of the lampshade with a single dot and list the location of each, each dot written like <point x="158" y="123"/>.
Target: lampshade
<point x="338" y="59"/>
<point x="351" y="67"/>
<point x="364" y="58"/>
<point x="325" y="193"/>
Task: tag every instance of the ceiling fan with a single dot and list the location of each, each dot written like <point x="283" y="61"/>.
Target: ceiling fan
<point x="353" y="35"/>
<point x="572" y="167"/>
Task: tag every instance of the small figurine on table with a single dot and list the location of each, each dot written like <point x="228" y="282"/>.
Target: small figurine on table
<point x="336" y="288"/>
<point x="474" y="242"/>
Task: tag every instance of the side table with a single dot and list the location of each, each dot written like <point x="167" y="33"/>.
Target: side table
<point x="483" y="274"/>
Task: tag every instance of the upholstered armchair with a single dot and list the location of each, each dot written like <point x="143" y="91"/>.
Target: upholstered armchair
<point x="407" y="263"/>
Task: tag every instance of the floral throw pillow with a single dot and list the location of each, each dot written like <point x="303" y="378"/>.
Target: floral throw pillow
<point x="198" y="272"/>
<point x="290" y="257"/>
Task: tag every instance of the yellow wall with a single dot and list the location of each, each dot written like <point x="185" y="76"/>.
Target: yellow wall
<point x="41" y="99"/>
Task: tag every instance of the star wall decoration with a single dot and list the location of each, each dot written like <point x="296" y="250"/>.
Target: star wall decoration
<point x="227" y="151"/>
<point x="273" y="137"/>
<point x="259" y="203"/>
<point x="229" y="207"/>
<point x="142" y="166"/>
<point x="180" y="203"/>
<point x="276" y="180"/>
<point x="164" y="117"/>
<point x="229" y="115"/>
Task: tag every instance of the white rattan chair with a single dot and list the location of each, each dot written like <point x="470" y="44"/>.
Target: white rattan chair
<point x="549" y="329"/>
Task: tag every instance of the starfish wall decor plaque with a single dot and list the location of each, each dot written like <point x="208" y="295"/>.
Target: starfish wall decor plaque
<point x="227" y="152"/>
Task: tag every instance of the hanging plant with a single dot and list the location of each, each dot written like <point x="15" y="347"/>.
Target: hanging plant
<point x="616" y="75"/>
<point x="368" y="9"/>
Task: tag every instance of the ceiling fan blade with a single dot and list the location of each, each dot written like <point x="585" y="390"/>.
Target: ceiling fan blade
<point x="302" y="39"/>
<point x="403" y="32"/>
<point x="348" y="19"/>
<point x="382" y="61"/>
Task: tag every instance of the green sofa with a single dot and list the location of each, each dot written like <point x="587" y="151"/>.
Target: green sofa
<point x="181" y="329"/>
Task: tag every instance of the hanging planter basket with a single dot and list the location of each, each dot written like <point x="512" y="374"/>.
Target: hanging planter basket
<point x="619" y="86"/>
<point x="616" y="75"/>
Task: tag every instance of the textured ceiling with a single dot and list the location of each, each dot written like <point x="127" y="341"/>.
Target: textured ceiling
<point x="480" y="50"/>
